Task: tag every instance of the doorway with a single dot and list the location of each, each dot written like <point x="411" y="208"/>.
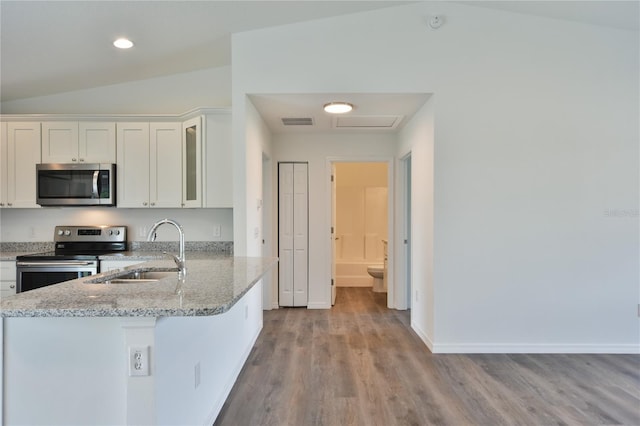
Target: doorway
<point x="361" y="231"/>
<point x="406" y="217"/>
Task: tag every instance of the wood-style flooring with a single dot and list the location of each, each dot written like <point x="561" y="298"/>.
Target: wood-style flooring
<point x="361" y="364"/>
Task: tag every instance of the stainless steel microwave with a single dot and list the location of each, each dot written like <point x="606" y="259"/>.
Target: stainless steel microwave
<point x="76" y="184"/>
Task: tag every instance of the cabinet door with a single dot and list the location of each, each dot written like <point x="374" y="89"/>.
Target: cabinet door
<point x="60" y="142"/>
<point x="7" y="278"/>
<point x="192" y="163"/>
<point x="23" y="153"/>
<point x="132" y="164"/>
<point x="218" y="172"/>
<point x="165" y="182"/>
<point x="97" y="142"/>
<point x="3" y="164"/>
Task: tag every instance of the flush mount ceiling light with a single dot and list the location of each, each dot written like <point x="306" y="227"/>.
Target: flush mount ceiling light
<point x="123" y="43"/>
<point x="338" y="107"/>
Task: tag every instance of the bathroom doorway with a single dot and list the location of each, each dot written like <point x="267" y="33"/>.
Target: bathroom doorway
<point x="360" y="226"/>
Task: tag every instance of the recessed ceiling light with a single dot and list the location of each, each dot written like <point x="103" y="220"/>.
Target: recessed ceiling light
<point x="123" y="43"/>
<point x="338" y="107"/>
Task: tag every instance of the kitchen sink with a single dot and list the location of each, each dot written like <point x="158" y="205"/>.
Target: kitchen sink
<point x="131" y="277"/>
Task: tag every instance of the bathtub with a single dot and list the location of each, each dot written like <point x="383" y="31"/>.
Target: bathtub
<point x="353" y="273"/>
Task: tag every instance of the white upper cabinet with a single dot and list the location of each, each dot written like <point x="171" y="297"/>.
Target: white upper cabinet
<point x="149" y="165"/>
<point x="21" y="143"/>
<point x="78" y="142"/>
<point x="97" y="142"/>
<point x="3" y="164"/>
<point x="165" y="182"/>
<point x="132" y="164"/>
<point x="174" y="164"/>
<point x="192" y="163"/>
<point x="218" y="156"/>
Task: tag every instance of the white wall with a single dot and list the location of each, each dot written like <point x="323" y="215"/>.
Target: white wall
<point x="536" y="139"/>
<point x="417" y="140"/>
<point x="52" y="362"/>
<point x="317" y="149"/>
<point x="174" y="94"/>
<point x="219" y="345"/>
<point x="36" y="225"/>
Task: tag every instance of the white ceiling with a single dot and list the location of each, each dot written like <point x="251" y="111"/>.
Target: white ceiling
<point x="54" y="46"/>
<point x="371" y="111"/>
<point x="57" y="46"/>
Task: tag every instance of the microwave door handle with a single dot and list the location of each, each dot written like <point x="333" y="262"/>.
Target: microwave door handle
<point x="95" y="184"/>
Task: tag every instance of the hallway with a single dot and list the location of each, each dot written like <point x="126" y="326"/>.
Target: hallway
<point x="361" y="364"/>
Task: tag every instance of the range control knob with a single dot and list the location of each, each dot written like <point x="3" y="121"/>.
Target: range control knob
<point x="67" y="232"/>
<point x="114" y="232"/>
<point x="60" y="232"/>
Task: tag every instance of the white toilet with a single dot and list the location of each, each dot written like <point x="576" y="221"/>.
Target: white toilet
<point x="377" y="272"/>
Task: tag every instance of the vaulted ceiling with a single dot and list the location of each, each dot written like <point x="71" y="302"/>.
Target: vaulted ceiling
<point x="57" y="46"/>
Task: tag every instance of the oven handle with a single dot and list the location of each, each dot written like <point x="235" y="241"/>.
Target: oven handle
<point x="54" y="263"/>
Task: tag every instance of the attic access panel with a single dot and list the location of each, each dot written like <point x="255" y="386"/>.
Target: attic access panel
<point x="367" y="121"/>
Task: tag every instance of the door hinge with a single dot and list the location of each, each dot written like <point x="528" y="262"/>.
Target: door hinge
<point x="331" y="178"/>
<point x="332" y="229"/>
<point x="332" y="282"/>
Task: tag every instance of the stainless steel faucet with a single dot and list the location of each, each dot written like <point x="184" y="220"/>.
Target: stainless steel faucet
<point x="180" y="260"/>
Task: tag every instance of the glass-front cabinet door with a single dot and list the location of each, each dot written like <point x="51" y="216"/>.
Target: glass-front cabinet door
<point x="192" y="163"/>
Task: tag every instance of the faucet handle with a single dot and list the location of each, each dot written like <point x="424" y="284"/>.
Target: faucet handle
<point x="174" y="257"/>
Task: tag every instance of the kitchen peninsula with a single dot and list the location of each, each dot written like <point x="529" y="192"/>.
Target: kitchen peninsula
<point x="147" y="352"/>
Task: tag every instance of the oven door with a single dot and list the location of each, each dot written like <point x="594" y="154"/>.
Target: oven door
<point x="39" y="273"/>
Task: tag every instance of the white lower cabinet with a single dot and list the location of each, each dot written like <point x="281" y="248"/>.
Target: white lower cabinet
<point x="7" y="278"/>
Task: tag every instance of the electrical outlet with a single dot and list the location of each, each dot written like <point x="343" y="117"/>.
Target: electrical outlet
<point x="138" y="360"/>
<point x="142" y="232"/>
<point x="217" y="231"/>
<point x="196" y="373"/>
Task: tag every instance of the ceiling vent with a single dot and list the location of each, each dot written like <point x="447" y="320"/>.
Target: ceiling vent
<point x="381" y="122"/>
<point x="297" y="121"/>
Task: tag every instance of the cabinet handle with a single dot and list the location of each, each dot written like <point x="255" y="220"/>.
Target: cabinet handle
<point x="82" y="160"/>
<point x="1" y="204"/>
<point x="9" y="204"/>
<point x="73" y="159"/>
<point x="144" y="203"/>
<point x="12" y="286"/>
<point x="153" y="204"/>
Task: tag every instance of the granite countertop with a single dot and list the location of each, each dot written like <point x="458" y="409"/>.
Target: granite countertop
<point x="214" y="283"/>
<point x="138" y="250"/>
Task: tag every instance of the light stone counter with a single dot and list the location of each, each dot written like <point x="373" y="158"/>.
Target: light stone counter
<point x="213" y="285"/>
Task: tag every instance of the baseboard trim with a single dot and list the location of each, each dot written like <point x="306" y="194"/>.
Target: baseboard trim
<point x="422" y="335"/>
<point x="476" y="348"/>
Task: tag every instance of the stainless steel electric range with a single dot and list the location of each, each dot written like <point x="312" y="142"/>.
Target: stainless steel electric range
<point x="77" y="251"/>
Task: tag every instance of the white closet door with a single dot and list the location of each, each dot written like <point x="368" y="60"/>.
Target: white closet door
<point x="300" y="235"/>
<point x="285" y="230"/>
<point x="293" y="234"/>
